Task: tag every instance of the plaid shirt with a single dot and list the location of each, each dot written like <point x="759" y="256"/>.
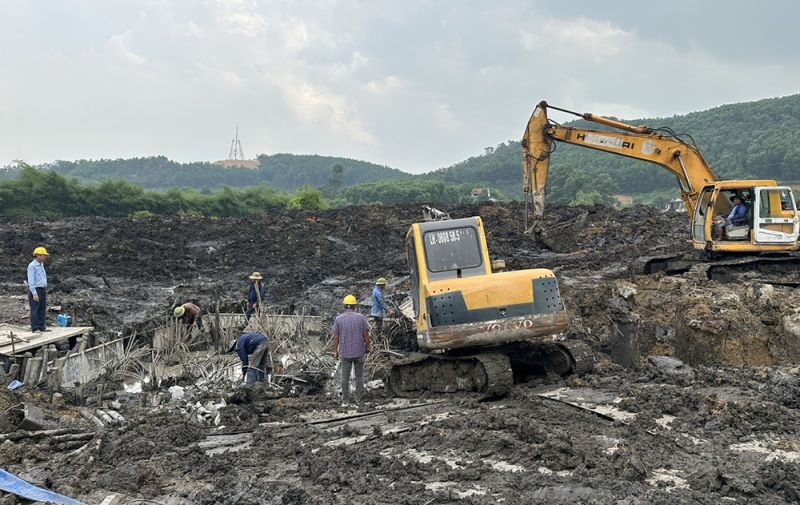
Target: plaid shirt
<point x="351" y="326"/>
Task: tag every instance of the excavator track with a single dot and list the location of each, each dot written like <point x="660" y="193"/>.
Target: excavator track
<point x="581" y="355"/>
<point x="490" y="373"/>
<point x="487" y="373"/>
<point x="780" y="269"/>
<point x="499" y="376"/>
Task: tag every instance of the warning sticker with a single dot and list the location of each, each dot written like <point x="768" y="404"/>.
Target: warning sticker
<point x="602" y="140"/>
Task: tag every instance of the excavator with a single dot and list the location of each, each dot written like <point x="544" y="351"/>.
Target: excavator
<point x="477" y="326"/>
<point x="770" y="224"/>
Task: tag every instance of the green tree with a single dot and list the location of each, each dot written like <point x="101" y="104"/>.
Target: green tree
<point x="591" y="197"/>
<point x="306" y="198"/>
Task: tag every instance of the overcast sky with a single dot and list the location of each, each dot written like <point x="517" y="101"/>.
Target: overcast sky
<point x="412" y="84"/>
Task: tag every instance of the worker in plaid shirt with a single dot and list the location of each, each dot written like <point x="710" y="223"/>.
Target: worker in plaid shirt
<point x="351" y="341"/>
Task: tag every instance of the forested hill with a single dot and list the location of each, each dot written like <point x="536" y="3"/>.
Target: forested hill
<point x="746" y="140"/>
<point x="282" y="171"/>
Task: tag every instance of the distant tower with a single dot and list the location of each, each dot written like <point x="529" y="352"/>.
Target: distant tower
<point x="236" y="152"/>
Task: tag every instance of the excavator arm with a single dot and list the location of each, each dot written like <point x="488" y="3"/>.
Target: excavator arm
<point x="659" y="146"/>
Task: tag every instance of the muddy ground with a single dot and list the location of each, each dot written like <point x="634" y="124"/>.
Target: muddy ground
<point x="721" y="427"/>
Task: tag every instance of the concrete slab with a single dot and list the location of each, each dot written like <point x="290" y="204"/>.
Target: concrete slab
<point x="281" y="323"/>
<point x="82" y="367"/>
<point x="25" y="340"/>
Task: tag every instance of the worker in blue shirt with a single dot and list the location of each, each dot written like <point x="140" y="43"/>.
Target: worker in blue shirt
<point x="37" y="293"/>
<point x="736" y="217"/>
<point x="256" y="295"/>
<point x="253" y="351"/>
<point x="379" y="309"/>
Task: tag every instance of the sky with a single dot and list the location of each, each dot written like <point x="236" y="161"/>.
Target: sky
<point x="412" y="84"/>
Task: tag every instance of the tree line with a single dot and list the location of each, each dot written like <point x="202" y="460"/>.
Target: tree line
<point x="44" y="193"/>
<point x="286" y="172"/>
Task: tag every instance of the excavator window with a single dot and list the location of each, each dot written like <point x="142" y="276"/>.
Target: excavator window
<point x="699" y="230"/>
<point x="786" y="200"/>
<point x="452" y="249"/>
<point x="774" y="202"/>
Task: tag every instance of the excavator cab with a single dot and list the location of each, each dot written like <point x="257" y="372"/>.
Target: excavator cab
<point x="770" y="222"/>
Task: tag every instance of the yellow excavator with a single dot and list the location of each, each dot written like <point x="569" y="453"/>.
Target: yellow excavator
<point x="478" y="327"/>
<point x="770" y="223"/>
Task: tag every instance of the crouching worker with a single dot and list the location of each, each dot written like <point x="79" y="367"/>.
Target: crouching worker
<point x="189" y="314"/>
<point x="351" y="341"/>
<point x="253" y="350"/>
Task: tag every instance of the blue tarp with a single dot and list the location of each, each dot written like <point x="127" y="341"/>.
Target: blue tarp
<point x="12" y="484"/>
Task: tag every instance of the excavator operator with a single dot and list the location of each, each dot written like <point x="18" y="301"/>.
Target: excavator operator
<point x="736" y="217"/>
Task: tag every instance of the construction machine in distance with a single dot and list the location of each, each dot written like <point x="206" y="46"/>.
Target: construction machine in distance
<point x="477" y="327"/>
<point x="771" y="222"/>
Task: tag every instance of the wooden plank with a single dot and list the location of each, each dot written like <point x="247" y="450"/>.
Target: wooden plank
<point x="596" y="401"/>
<point x="25" y="339"/>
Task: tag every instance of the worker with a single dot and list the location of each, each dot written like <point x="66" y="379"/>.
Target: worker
<point x="379" y="309"/>
<point x="736" y="217"/>
<point x="256" y="295"/>
<point x="737" y="214"/>
<point x="37" y="290"/>
<point x="351" y="341"/>
<point x="253" y="351"/>
<point x="189" y="314"/>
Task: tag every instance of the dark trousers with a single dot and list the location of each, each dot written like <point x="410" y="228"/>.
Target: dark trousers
<point x="256" y="372"/>
<point x="378" y="328"/>
<point x="250" y="311"/>
<point x="357" y="365"/>
<point x="189" y="324"/>
<point x="38" y="309"/>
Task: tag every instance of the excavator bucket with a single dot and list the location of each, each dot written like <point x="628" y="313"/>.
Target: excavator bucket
<point x="536" y="148"/>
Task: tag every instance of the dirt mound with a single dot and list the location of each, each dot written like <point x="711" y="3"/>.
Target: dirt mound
<point x="122" y="274"/>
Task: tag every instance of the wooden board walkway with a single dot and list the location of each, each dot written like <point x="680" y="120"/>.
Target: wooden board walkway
<point x="25" y="340"/>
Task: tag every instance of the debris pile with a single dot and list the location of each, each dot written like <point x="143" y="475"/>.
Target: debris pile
<point x="693" y="400"/>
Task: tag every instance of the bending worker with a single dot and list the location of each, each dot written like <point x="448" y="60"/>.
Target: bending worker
<point x="351" y="341"/>
<point x="189" y="314"/>
<point x="256" y="295"/>
<point x="379" y="309"/>
<point x="253" y="351"/>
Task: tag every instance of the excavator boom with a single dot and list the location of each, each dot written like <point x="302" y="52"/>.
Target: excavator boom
<point x="660" y="147"/>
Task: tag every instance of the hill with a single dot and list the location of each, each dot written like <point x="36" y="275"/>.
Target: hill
<point x="747" y="140"/>
<point x="758" y="139"/>
<point x="281" y="171"/>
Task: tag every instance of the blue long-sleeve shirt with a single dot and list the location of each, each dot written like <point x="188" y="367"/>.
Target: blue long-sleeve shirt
<point x="252" y="297"/>
<point x="246" y="344"/>
<point x="379" y="307"/>
<point x="37" y="277"/>
<point x="737" y="213"/>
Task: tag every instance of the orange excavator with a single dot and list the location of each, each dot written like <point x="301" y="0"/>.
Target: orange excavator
<point x="770" y="220"/>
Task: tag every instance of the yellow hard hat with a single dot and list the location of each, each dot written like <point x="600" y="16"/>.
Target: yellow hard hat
<point x="350" y="300"/>
<point x="40" y="250"/>
<point x="255" y="276"/>
<point x="381" y="281"/>
<point x="179" y="311"/>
